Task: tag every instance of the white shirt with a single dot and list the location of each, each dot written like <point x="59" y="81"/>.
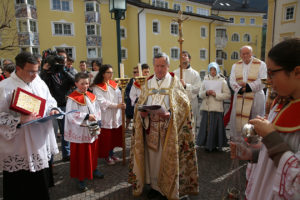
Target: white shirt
<point x="29" y="147"/>
<point x="134" y="94"/>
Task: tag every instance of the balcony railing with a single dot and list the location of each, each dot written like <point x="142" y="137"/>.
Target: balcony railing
<point x="92" y="17"/>
<point x="25" y="11"/>
<point x="93" y="40"/>
<point x="28" y="39"/>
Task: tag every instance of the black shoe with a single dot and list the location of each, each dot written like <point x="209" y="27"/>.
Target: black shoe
<point x="66" y="159"/>
<point x="153" y="194"/>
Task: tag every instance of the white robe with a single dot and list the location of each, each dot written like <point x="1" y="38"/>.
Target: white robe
<point x="108" y="101"/>
<point x="265" y="179"/>
<point x="73" y="131"/>
<point x="193" y="83"/>
<point x="134" y="94"/>
<point x="258" y="106"/>
<point x="29" y="147"/>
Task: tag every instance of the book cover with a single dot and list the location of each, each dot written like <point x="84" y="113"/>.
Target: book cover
<point x="26" y="102"/>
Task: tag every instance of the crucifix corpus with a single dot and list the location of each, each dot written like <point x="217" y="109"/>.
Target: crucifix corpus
<point x="180" y="19"/>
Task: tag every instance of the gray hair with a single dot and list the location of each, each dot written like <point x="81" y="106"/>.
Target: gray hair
<point x="248" y="47"/>
<point x="162" y="54"/>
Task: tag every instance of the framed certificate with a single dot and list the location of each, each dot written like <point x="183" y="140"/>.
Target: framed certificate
<point x="26" y="102"/>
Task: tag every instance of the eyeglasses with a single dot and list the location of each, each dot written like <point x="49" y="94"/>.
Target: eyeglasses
<point x="271" y="73"/>
<point x="109" y="72"/>
<point x="135" y="72"/>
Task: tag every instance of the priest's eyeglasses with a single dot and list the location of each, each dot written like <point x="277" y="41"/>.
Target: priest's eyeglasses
<point x="271" y="72"/>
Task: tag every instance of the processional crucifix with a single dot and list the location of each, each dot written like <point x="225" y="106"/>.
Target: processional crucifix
<point x="180" y="19"/>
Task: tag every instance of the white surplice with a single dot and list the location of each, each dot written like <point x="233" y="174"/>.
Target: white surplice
<point x="270" y="183"/>
<point x="29" y="147"/>
<point x="134" y="94"/>
<point x="73" y="131"/>
<point x="108" y="100"/>
<point x="258" y="106"/>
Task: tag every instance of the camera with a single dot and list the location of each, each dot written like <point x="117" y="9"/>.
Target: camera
<point x="55" y="61"/>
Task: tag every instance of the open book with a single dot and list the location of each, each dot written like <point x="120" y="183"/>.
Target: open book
<point x="44" y="119"/>
<point x="155" y="109"/>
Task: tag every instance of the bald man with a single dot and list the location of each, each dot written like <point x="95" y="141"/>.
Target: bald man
<point x="249" y="98"/>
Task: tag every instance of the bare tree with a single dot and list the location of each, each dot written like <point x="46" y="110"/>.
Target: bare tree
<point x="8" y="28"/>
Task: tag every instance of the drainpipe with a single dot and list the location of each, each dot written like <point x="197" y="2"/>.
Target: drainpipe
<point x="139" y="45"/>
<point x="209" y="40"/>
<point x="274" y="16"/>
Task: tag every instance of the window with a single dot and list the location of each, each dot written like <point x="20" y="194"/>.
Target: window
<point x="289" y="12"/>
<point x="63" y="29"/>
<point x="123" y="33"/>
<point x="252" y="21"/>
<point x="89" y="6"/>
<point x="156" y="50"/>
<point x="155" y="26"/>
<point x="189" y="9"/>
<point x="224" y="55"/>
<point x="203" y="32"/>
<point x="94" y="52"/>
<point x="202" y="11"/>
<point x="30" y="2"/>
<point x="22" y="25"/>
<point x="231" y="19"/>
<point x="175" y="53"/>
<point x="69" y="50"/>
<point x="33" y="27"/>
<point x="234" y="55"/>
<point x="221" y="32"/>
<point x="176" y="6"/>
<point x="174" y="29"/>
<point x="90" y="30"/>
<point x="203" y="54"/>
<point x="35" y="50"/>
<point x="124" y="53"/>
<point x="235" y="37"/>
<point x="63" y="5"/>
<point x="242" y="20"/>
<point x="246" y="38"/>
<point x="20" y="1"/>
<point x="160" y="3"/>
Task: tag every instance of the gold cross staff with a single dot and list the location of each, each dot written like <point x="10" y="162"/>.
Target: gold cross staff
<point x="180" y="20"/>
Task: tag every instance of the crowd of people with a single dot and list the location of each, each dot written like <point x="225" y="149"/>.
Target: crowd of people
<point x="163" y="112"/>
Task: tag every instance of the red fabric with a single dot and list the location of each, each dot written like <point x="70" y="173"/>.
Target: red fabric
<point x="2" y="77"/>
<point x="83" y="160"/>
<point x="226" y="118"/>
<point x="108" y="140"/>
<point x="79" y="97"/>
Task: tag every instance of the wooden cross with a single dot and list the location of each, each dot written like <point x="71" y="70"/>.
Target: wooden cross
<point x="180" y="19"/>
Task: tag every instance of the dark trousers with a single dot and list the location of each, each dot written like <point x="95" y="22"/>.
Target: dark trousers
<point x="65" y="145"/>
<point x="24" y="184"/>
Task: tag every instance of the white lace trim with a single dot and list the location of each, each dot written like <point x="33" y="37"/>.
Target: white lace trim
<point x="10" y="122"/>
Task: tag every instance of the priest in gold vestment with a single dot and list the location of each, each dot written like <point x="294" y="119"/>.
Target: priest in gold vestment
<point x="162" y="145"/>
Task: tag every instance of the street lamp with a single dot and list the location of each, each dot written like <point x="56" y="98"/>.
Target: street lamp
<point x="117" y="10"/>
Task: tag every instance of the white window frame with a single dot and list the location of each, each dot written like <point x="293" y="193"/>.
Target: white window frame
<point x="242" y="18"/>
<point x="160" y="3"/>
<point x="205" y="30"/>
<point x="205" y="53"/>
<point x="233" y="53"/>
<point x="203" y="11"/>
<point x="125" y="32"/>
<point x="189" y="9"/>
<point x="62" y="22"/>
<point x="235" y="40"/>
<point x="19" y="27"/>
<point x="98" y="52"/>
<point x="16" y="3"/>
<point x="244" y="37"/>
<point x="171" y="30"/>
<point x="90" y="2"/>
<point x="158" y="26"/>
<point x="285" y="12"/>
<point x="36" y="25"/>
<point x="67" y="47"/>
<point x="176" y="5"/>
<point x="252" y="21"/>
<point x="70" y="5"/>
<point x="176" y="57"/>
<point x="126" y="53"/>
<point x="156" y="47"/>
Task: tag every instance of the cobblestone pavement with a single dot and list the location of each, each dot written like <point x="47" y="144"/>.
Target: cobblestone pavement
<point x="214" y="174"/>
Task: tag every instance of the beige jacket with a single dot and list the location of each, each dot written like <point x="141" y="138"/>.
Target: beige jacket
<point x="211" y="103"/>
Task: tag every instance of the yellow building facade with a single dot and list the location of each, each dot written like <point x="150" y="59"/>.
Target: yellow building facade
<point x="85" y="29"/>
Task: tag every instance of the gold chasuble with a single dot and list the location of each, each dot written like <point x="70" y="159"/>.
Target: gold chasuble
<point x="178" y="166"/>
<point x="244" y="101"/>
